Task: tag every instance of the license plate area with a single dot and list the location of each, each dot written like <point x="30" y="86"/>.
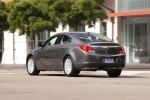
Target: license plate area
<point x="108" y="60"/>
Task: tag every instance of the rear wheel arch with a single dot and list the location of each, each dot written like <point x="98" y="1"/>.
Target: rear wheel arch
<point x="28" y="57"/>
<point x="73" y="58"/>
<point x="69" y="69"/>
<point x="66" y="57"/>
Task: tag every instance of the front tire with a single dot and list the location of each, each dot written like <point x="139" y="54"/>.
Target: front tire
<point x="114" y="73"/>
<point x="69" y="68"/>
<point x="31" y="67"/>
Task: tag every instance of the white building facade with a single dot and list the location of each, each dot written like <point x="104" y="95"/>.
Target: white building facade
<point x="16" y="47"/>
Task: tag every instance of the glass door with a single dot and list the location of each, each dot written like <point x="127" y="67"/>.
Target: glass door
<point x="137" y="41"/>
<point x="140" y="43"/>
<point x="129" y="42"/>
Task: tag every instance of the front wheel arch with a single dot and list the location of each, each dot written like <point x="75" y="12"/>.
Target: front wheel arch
<point x="30" y="55"/>
<point x="30" y="62"/>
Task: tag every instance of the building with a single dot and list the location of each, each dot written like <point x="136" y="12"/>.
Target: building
<point x="133" y="28"/>
<point x="128" y="24"/>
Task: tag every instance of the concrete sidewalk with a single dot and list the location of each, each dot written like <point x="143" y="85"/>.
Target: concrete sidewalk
<point x="137" y="67"/>
<point x="13" y="66"/>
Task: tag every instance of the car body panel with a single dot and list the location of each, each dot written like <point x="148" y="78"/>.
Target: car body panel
<point x="52" y="57"/>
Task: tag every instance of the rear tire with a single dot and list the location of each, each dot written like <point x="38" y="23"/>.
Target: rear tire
<point x="69" y="68"/>
<point x="114" y="73"/>
<point x="31" y="67"/>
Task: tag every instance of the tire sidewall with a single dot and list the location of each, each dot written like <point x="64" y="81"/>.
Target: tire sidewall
<point x="35" y="71"/>
<point x="114" y="73"/>
<point x="72" y="68"/>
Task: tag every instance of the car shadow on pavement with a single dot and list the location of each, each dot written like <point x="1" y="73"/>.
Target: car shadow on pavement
<point x="94" y="76"/>
<point x="105" y="76"/>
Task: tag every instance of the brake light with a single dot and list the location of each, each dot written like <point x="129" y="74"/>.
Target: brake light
<point x="121" y="50"/>
<point x="87" y="49"/>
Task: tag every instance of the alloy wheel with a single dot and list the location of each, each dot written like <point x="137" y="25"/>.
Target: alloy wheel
<point x="68" y="66"/>
<point x="31" y="65"/>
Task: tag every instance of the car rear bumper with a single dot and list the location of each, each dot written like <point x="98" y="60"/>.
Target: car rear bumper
<point x="95" y="61"/>
<point x="96" y="66"/>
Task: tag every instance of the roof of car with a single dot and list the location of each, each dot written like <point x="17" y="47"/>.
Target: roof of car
<point x="76" y="32"/>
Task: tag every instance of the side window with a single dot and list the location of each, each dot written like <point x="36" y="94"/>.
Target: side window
<point x="51" y="41"/>
<point x="65" y="39"/>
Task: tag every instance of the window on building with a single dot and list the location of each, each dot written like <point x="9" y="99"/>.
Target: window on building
<point x="133" y="5"/>
<point x="136" y="39"/>
<point x="40" y="37"/>
<point x="81" y="28"/>
<point x="103" y="28"/>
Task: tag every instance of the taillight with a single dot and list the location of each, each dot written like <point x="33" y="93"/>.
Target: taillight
<point x="121" y="50"/>
<point x="87" y="49"/>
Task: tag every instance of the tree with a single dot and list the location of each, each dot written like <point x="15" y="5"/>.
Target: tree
<point x="3" y="17"/>
<point x="31" y="17"/>
<point x="99" y="2"/>
<point x="75" y="12"/>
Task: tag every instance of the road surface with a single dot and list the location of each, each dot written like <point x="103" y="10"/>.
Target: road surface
<point x="18" y="85"/>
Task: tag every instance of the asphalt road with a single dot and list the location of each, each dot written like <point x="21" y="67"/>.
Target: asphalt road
<point x="16" y="84"/>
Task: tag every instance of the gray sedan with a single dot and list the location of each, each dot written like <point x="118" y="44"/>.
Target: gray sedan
<point x="73" y="52"/>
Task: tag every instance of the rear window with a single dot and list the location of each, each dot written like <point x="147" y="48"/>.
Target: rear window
<point x="92" y="37"/>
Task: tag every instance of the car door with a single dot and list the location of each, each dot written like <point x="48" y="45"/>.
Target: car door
<point x="58" y="51"/>
<point x="63" y="47"/>
<point x="47" y="54"/>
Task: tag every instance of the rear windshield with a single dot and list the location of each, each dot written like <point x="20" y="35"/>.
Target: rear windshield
<point x="93" y="37"/>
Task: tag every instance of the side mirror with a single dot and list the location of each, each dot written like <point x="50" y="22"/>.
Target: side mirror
<point x="40" y="44"/>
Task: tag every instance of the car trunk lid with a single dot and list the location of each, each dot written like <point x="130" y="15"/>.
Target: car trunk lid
<point x="106" y="48"/>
